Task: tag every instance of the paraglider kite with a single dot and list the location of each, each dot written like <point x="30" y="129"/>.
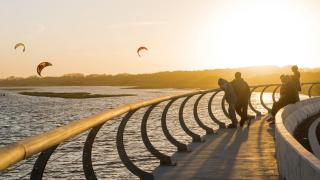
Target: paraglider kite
<point x="20" y="45"/>
<point x="141" y="48"/>
<point x="41" y="66"/>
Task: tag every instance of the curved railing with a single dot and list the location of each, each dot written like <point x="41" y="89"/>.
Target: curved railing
<point x="46" y="143"/>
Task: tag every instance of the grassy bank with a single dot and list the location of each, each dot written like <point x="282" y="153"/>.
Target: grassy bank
<point x="203" y="79"/>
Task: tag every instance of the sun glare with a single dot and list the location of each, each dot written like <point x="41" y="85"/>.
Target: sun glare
<point x="265" y="33"/>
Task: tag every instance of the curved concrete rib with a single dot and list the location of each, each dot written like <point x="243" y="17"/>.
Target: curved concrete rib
<point x="87" y="153"/>
<point x="123" y="154"/>
<point x="250" y="103"/>
<point x="180" y="146"/>
<point x="261" y="98"/>
<point x="164" y="159"/>
<point x="197" y="118"/>
<point x="40" y="164"/>
<point x="212" y="116"/>
<point x="223" y="106"/>
<point x="195" y="137"/>
<point x="274" y="93"/>
<point x="310" y="90"/>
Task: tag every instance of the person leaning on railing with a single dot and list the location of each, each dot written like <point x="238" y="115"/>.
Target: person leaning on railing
<point x="231" y="99"/>
<point x="288" y="95"/>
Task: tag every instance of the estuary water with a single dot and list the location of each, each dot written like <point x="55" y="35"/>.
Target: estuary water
<point x="23" y="116"/>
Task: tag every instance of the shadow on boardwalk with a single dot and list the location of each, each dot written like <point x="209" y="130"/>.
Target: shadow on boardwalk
<point x="246" y="153"/>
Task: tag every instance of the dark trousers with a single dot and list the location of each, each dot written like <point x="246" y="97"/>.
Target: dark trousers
<point x="282" y="103"/>
<point x="232" y="114"/>
<point x="242" y="109"/>
<point x="278" y="105"/>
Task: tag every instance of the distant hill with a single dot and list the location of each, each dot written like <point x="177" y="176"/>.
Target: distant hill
<point x="202" y="79"/>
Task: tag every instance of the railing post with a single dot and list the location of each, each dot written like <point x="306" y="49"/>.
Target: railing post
<point x="87" y="153"/>
<point x="164" y="159"/>
<point x="258" y="113"/>
<point x="215" y="120"/>
<point x="197" y="118"/>
<point x="195" y="137"/>
<point x="310" y="90"/>
<point x="40" y="164"/>
<point x="223" y="106"/>
<point x="274" y="93"/>
<point x="261" y="98"/>
<point x="180" y="146"/>
<point x="122" y="152"/>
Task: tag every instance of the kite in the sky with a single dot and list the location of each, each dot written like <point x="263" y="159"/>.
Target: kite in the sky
<point x="141" y="48"/>
<point x="20" y="45"/>
<point x="41" y="66"/>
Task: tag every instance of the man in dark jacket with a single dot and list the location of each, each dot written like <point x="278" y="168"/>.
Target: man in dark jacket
<point x="231" y="99"/>
<point x="242" y="91"/>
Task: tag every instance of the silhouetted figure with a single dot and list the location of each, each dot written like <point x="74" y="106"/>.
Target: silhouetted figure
<point x="288" y="95"/>
<point x="296" y="77"/>
<point x="242" y="91"/>
<point x="231" y="99"/>
<point x="292" y="92"/>
<point x="282" y="100"/>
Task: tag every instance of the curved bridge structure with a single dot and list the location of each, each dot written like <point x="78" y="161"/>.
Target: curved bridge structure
<point x="46" y="144"/>
<point x="295" y="162"/>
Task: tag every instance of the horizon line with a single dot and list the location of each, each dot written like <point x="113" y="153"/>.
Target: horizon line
<point x="124" y="73"/>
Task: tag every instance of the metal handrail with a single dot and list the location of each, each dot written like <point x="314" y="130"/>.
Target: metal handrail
<point x="20" y="150"/>
<point x="47" y="142"/>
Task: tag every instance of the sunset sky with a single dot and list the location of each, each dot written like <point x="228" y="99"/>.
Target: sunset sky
<point x="102" y="36"/>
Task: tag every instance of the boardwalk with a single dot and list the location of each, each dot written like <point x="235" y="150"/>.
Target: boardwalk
<point x="247" y="153"/>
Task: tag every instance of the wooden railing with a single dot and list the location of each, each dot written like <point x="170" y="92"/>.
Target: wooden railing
<point x="47" y="142"/>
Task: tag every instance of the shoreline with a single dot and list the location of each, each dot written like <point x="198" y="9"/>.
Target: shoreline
<point x="74" y="95"/>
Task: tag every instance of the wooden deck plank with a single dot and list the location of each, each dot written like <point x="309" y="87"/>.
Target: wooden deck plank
<point x="243" y="153"/>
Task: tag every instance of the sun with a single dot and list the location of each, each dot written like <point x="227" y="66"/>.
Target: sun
<point x="264" y="33"/>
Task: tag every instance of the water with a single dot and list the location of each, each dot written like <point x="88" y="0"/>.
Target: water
<point x="22" y="116"/>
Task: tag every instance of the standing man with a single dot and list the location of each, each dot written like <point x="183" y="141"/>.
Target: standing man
<point x="242" y="91"/>
<point x="231" y="99"/>
<point x="295" y="78"/>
